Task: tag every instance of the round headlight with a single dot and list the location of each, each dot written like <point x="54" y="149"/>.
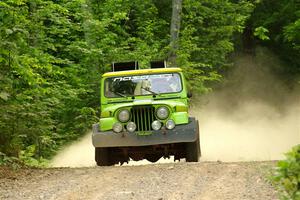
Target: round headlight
<point x="170" y="124"/>
<point x="117" y="127"/>
<point x="156" y="125"/>
<point x="131" y="126"/>
<point x="123" y="116"/>
<point x="162" y="112"/>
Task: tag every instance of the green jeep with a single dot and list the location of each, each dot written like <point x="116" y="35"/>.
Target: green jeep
<point x="144" y="115"/>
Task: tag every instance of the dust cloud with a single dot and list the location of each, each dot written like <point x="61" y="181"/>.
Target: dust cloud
<point x="78" y="154"/>
<point x="254" y="116"/>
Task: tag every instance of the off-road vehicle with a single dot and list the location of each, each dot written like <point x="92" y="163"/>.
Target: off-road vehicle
<point x="144" y="115"/>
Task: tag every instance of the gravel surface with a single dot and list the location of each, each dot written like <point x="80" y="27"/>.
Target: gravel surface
<point x="206" y="180"/>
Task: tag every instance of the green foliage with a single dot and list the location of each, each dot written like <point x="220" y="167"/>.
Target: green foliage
<point x="207" y="38"/>
<point x="45" y="86"/>
<point x="287" y="175"/>
<point x="277" y="24"/>
<point x="9" y="161"/>
<point x="27" y="156"/>
<point x="292" y="33"/>
<point x="261" y="33"/>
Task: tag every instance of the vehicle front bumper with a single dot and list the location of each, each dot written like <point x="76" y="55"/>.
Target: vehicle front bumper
<point x="181" y="133"/>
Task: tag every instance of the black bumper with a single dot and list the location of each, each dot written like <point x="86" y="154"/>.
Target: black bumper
<point x="181" y="133"/>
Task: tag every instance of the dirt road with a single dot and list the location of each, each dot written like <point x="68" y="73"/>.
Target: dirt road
<point x="206" y="180"/>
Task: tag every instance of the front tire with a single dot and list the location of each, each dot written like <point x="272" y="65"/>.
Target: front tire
<point x="193" y="151"/>
<point x="102" y="156"/>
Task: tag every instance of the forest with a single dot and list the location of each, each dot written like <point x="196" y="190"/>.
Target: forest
<point x="52" y="55"/>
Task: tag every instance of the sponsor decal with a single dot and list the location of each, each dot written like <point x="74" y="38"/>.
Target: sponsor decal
<point x="143" y="77"/>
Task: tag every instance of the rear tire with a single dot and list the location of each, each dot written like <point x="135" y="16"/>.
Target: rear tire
<point x="193" y="151"/>
<point x="102" y="156"/>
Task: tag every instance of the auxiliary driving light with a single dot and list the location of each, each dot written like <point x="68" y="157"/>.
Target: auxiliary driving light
<point x="156" y="125"/>
<point x="170" y="124"/>
<point x="131" y="126"/>
<point x="162" y="112"/>
<point x="117" y="127"/>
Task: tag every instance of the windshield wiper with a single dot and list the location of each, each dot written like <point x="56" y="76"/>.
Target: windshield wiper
<point x="121" y="95"/>
<point x="148" y="90"/>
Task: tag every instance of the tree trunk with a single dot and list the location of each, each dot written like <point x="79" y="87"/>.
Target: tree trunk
<point x="174" y="31"/>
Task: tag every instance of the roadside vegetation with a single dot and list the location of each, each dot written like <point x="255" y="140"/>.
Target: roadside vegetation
<point x="287" y="175"/>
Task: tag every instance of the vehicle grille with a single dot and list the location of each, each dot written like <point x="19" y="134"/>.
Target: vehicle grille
<point x="143" y="116"/>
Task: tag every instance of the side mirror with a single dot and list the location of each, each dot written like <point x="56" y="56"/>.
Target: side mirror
<point x="189" y="94"/>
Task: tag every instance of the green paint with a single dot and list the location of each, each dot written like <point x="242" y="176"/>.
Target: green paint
<point x="107" y="123"/>
<point x="180" y="117"/>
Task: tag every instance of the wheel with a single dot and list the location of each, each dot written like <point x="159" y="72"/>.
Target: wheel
<point x="193" y="151"/>
<point x="152" y="158"/>
<point x="102" y="156"/>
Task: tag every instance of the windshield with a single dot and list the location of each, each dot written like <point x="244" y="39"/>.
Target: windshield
<point x="142" y="85"/>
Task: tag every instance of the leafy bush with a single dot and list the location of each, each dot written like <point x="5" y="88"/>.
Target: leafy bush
<point x="12" y="162"/>
<point x="287" y="175"/>
<point x="26" y="158"/>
